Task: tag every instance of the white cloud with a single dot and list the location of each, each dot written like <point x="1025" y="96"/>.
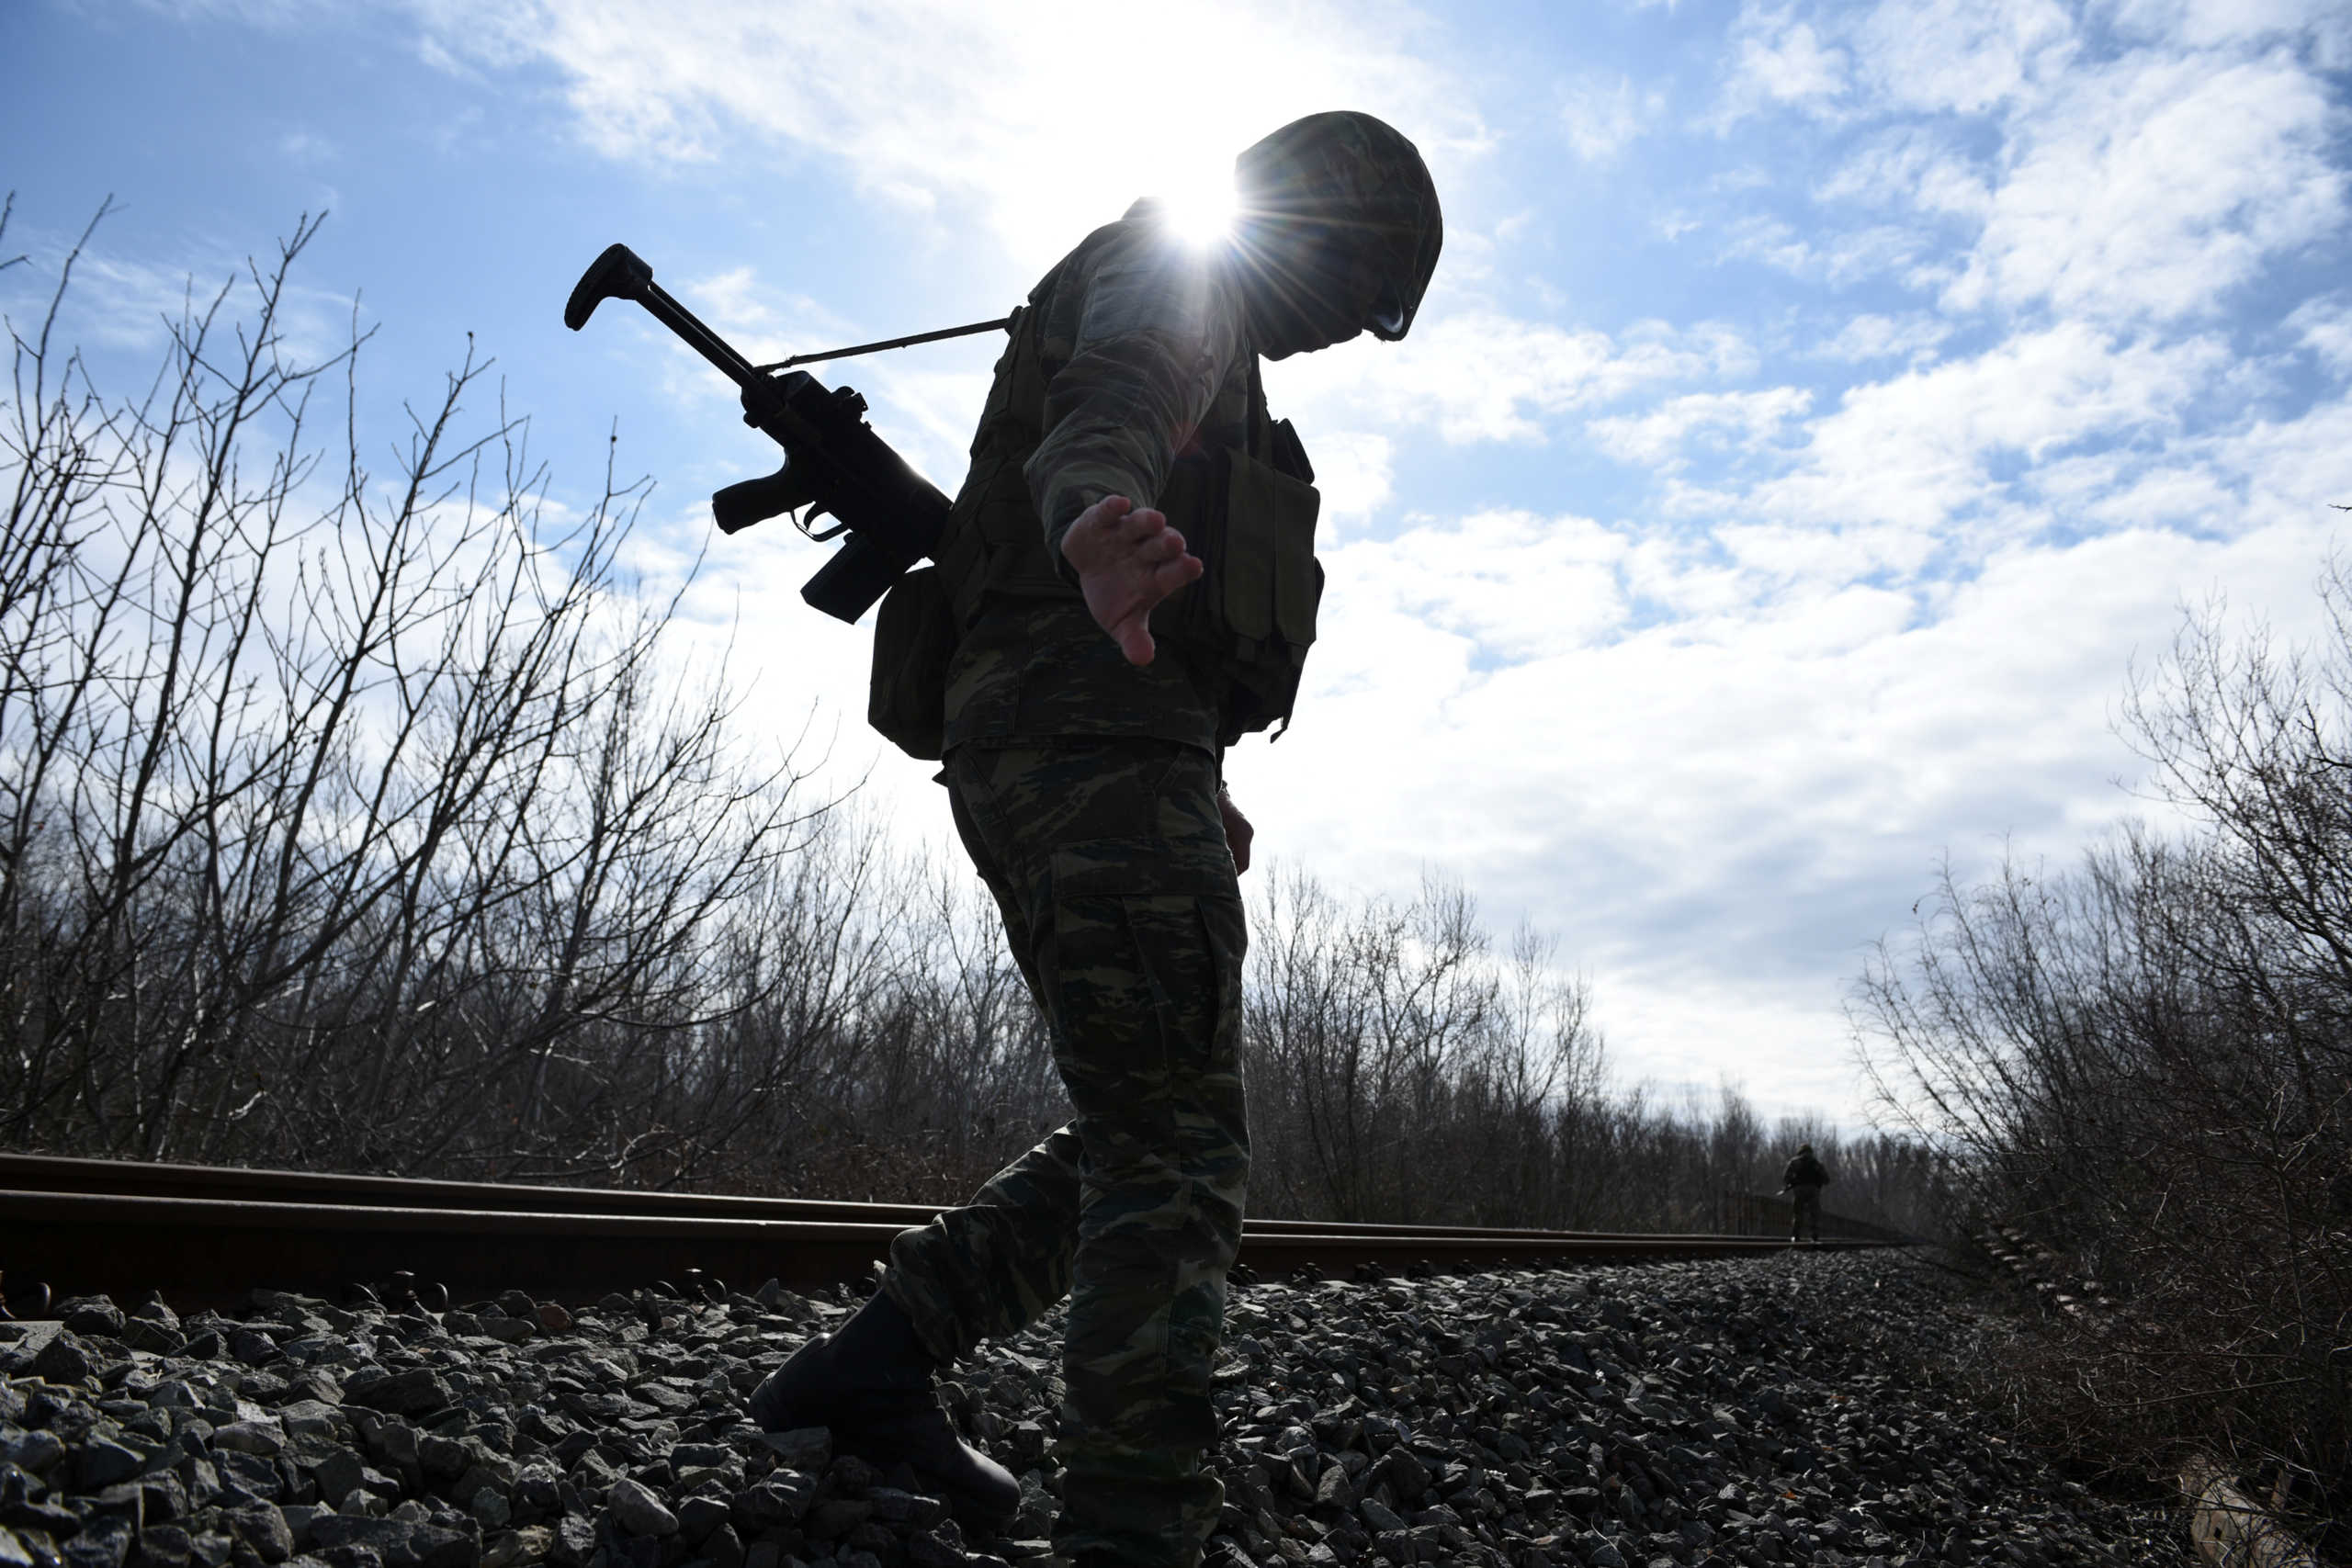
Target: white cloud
<point x="1911" y="166"/>
<point x="2153" y="188"/>
<point x="1355" y="471"/>
<point x="307" y="148"/>
<point x="1919" y="449"/>
<point x="1837" y="257"/>
<point x="1962" y="56"/>
<point x="1515" y="584"/>
<point x="2205" y="23"/>
<point x="1602" y="116"/>
<point x="1781" y="60"/>
<point x="1869" y="337"/>
<point x="1480" y="375"/>
<point x="1742" y="420"/>
<point x="2324" y="327"/>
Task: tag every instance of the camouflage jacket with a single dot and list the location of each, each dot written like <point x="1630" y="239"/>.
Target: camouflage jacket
<point x="1132" y="352"/>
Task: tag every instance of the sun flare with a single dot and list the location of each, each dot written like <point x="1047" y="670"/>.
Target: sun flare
<point x="1201" y="204"/>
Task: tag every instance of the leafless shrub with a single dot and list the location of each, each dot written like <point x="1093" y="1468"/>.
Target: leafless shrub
<point x="340" y="809"/>
<point x="2144" y="1062"/>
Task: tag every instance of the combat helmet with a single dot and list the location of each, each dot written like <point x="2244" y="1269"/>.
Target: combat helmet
<point x="1323" y="191"/>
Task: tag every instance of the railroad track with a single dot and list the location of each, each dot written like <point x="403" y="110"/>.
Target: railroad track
<point x="203" y="1235"/>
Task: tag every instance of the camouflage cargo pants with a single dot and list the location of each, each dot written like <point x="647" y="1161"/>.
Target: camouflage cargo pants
<point x="1109" y="862"/>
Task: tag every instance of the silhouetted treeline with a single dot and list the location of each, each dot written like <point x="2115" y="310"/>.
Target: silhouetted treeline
<point x="2144" y="1062"/>
<point x="363" y="820"/>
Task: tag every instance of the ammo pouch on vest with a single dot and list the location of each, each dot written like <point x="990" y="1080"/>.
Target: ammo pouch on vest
<point x="1246" y="505"/>
<point x="1249" y="619"/>
<point x="914" y="633"/>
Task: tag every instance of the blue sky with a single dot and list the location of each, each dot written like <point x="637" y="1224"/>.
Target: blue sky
<point x="1818" y="410"/>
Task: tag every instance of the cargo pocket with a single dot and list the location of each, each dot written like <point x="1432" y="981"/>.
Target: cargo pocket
<point x="1147" y="964"/>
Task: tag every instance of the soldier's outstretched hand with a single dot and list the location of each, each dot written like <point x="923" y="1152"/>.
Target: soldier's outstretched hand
<point x="1128" y="560"/>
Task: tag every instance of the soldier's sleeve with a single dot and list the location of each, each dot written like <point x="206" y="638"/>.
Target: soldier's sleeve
<point x="1158" y="333"/>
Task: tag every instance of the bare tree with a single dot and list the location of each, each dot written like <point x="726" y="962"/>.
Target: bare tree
<point x="331" y="804"/>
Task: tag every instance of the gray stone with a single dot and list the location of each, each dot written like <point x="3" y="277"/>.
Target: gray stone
<point x="161" y="1546"/>
<point x="805" y="1447"/>
<point x="103" y="1542"/>
<point x="835" y="1517"/>
<point x="34" y="1452"/>
<point x="697" y="1517"/>
<point x="103" y="1461"/>
<point x="439" y="1546"/>
<point x="60" y="1357"/>
<point x="315" y="1416"/>
<point x="156" y="1340"/>
<point x="574" y="1541"/>
<point x="91" y="1314"/>
<point x="781" y="1499"/>
<point x="639" y="1510"/>
<point x="410" y="1392"/>
<point x="723" y="1548"/>
<point x="263" y="1437"/>
<point x="389" y="1538"/>
<point x="262" y="1528"/>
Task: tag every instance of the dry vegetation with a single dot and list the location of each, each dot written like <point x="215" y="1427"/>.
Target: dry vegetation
<point x="2144" y="1062"/>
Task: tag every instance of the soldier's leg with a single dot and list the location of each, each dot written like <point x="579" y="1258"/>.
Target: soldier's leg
<point x="993" y="1265"/>
<point x="979" y="1271"/>
<point x="990" y="1268"/>
<point x="1128" y="892"/>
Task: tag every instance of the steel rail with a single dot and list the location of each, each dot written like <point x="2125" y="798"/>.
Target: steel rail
<point x="55" y="1173"/>
<point x="204" y="1234"/>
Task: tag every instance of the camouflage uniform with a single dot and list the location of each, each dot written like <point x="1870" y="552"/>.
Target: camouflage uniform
<point x="1085" y="789"/>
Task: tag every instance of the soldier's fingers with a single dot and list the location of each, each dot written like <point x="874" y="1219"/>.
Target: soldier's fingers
<point x="1174" y="574"/>
<point x="1164" y="546"/>
<point x="1143" y="523"/>
<point x="1134" y="641"/>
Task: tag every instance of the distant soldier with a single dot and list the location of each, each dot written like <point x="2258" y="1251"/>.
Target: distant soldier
<point x="1803" y="1181"/>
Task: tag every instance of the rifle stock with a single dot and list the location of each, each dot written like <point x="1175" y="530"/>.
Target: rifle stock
<point x="833" y="462"/>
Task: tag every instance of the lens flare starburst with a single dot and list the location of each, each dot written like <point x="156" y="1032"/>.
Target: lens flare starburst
<point x="1200" y="206"/>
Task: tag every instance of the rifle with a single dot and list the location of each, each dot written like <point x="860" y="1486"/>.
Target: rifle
<point x="832" y="461"/>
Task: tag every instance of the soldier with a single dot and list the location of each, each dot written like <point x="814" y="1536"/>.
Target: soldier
<point x="1131" y="570"/>
<point x="1803" y="1181"/>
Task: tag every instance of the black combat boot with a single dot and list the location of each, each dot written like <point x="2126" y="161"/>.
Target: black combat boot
<point x="875" y="1386"/>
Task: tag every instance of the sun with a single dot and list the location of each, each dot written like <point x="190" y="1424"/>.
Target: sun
<point x="1200" y="203"/>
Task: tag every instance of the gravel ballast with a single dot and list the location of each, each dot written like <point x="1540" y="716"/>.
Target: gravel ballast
<point x="1780" y="1410"/>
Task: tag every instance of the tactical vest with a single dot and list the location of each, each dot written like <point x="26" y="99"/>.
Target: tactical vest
<point x="1247" y="510"/>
